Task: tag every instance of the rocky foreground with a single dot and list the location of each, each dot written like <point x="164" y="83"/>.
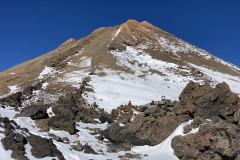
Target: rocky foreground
<point x="215" y="115"/>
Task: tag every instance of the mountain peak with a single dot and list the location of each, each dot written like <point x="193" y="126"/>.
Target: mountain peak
<point x="131" y="22"/>
<point x="135" y="23"/>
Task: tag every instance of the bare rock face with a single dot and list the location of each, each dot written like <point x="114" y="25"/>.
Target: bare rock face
<point x="13" y="141"/>
<point x="42" y="147"/>
<point x="15" y="100"/>
<point x="89" y="150"/>
<point x="35" y="112"/>
<point x="62" y="122"/>
<point x="146" y="129"/>
<point x="208" y="102"/>
<point x="218" y="139"/>
<point x="214" y="110"/>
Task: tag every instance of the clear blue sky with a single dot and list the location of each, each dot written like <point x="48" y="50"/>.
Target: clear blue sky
<point x="30" y="28"/>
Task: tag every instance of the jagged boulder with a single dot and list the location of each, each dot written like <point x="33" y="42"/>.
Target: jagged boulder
<point x="13" y="141"/>
<point x="43" y="147"/>
<point x="88" y="149"/>
<point x="216" y="140"/>
<point x="208" y="102"/>
<point x="62" y="122"/>
<point x="143" y="130"/>
<point x="35" y="112"/>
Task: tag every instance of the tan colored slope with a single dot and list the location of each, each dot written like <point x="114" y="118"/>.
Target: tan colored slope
<point x="27" y="73"/>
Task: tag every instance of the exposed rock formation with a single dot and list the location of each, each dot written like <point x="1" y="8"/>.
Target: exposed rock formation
<point x="42" y="147"/>
<point x="218" y="137"/>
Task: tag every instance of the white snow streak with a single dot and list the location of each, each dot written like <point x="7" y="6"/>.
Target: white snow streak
<point x="48" y="71"/>
<point x="116" y="33"/>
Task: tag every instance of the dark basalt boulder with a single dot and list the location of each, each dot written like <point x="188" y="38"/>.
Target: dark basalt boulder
<point x="42" y="147"/>
<point x="15" y="142"/>
<point x="89" y="150"/>
<point x="143" y="130"/>
<point x="62" y="122"/>
<point x="35" y="112"/>
<point x="215" y="110"/>
<point x="12" y="140"/>
<point x="209" y="102"/>
<point x="216" y="140"/>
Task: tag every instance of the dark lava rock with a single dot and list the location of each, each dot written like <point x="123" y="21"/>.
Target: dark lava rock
<point x="15" y="142"/>
<point x="105" y="118"/>
<point x="13" y="100"/>
<point x="130" y="156"/>
<point x="89" y="150"/>
<point x="143" y="130"/>
<point x="218" y="140"/>
<point x="209" y="102"/>
<point x="62" y="122"/>
<point x="35" y="112"/>
<point x="42" y="147"/>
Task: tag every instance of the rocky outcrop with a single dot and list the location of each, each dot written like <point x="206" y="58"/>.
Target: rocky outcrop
<point x="215" y="111"/>
<point x="216" y="140"/>
<point x="16" y="141"/>
<point x="62" y="122"/>
<point x="42" y="147"/>
<point x="67" y="42"/>
<point x="35" y="112"/>
<point x="89" y="150"/>
<point x="149" y="127"/>
<point x="210" y="102"/>
<point x="15" y="99"/>
<point x="13" y="141"/>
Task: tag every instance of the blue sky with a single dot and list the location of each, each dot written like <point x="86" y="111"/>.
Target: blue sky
<point x="30" y="28"/>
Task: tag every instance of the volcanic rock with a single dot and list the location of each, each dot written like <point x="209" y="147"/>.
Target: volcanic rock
<point x="62" y="122"/>
<point x="89" y="150"/>
<point x="35" y="112"/>
<point x="42" y="147"/>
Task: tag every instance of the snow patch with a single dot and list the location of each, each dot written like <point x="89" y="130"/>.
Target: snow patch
<point x="47" y="71"/>
<point x="44" y="85"/>
<point x="13" y="89"/>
